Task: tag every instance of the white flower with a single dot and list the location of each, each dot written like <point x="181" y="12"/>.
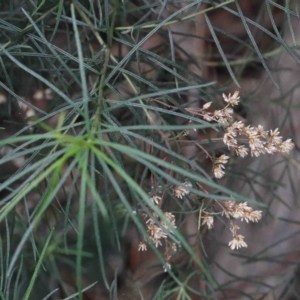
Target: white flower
<point x="223" y="159"/>
<point x="286" y="146"/>
<point x="208" y="220"/>
<point x="237" y="242"/>
<point x="218" y="171"/>
<point x="180" y="191"/>
<point x="232" y="100"/>
<point x="142" y="246"/>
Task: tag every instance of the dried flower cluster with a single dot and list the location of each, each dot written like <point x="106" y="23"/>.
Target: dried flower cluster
<point x="240" y="210"/>
<point x="234" y="210"/>
<point x="238" y="239"/>
<point x="180" y="191"/>
<point x="237" y="136"/>
<point x="160" y="230"/>
<point x="243" y="139"/>
<point x="208" y="220"/>
<point x="224" y="115"/>
<point x="259" y="140"/>
<point x="218" y="167"/>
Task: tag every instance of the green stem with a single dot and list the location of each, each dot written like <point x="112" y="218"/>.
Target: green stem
<point x="97" y="115"/>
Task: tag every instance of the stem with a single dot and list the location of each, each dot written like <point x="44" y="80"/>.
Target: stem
<point x="97" y="115"/>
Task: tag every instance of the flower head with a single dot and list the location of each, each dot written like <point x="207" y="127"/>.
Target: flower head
<point x="237" y="242"/>
<point x="180" y="191"/>
<point x="142" y="246"/>
<point x="208" y="220"/>
<point x="232" y="100"/>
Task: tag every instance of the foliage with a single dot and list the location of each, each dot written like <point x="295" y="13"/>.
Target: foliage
<point x="104" y="109"/>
